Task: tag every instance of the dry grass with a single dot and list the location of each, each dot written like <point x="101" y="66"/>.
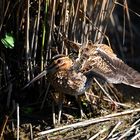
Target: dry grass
<point x="40" y="29"/>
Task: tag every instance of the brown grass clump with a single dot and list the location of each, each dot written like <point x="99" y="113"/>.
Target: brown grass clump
<point x="31" y="33"/>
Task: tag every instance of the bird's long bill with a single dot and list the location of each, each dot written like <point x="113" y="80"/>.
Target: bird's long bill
<point x="43" y="73"/>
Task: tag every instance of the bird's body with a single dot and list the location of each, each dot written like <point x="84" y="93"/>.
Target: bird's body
<point x="66" y="79"/>
<point x="93" y="60"/>
<point x="75" y="77"/>
<point x="68" y="82"/>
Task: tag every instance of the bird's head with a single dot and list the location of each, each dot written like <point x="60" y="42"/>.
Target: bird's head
<point x="59" y="63"/>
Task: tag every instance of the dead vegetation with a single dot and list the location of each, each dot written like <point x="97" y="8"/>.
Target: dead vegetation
<point x="41" y="29"/>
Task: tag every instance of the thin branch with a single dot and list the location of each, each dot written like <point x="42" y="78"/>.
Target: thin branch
<point x="89" y="122"/>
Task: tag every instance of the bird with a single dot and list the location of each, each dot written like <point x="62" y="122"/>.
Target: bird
<point x="101" y="60"/>
<point x="67" y="80"/>
<point x="75" y="77"/>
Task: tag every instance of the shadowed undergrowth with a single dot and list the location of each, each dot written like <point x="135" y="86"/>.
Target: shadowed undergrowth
<point x="32" y="32"/>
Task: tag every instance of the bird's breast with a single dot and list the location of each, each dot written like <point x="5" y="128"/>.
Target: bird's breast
<point x="69" y="82"/>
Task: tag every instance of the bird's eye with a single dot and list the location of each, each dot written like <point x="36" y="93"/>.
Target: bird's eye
<point x="58" y="61"/>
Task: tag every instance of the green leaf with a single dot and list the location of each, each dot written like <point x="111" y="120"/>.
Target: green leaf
<point x="8" y="41"/>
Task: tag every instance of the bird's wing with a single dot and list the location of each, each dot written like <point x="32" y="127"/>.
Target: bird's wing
<point x="101" y="61"/>
<point x="118" y="71"/>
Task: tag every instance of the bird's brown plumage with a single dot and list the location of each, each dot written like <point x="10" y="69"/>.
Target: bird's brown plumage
<point x="100" y="59"/>
<point x="75" y="77"/>
<point x="93" y="59"/>
<point x="64" y="78"/>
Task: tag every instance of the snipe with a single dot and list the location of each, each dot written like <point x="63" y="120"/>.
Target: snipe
<point x="94" y="60"/>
